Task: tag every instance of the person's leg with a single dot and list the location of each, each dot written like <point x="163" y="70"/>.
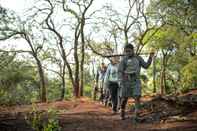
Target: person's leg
<point x="137" y="95"/>
<point x="106" y="96"/>
<point x="118" y="97"/>
<point x="102" y="95"/>
<point x="118" y="103"/>
<point x="114" y="96"/>
<point x="109" y="100"/>
<point x="137" y="106"/>
<point x="123" y="103"/>
<point x="101" y="90"/>
<point x="111" y="94"/>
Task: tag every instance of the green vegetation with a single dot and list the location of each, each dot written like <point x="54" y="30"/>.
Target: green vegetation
<point x="43" y="121"/>
<point x="63" y="54"/>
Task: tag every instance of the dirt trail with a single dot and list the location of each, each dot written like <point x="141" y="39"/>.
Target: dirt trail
<point x="86" y="115"/>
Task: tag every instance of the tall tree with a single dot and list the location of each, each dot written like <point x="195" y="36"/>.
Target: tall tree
<point x="79" y="37"/>
<point x="12" y="26"/>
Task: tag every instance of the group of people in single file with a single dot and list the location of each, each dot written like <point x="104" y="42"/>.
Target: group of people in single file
<point x="120" y="80"/>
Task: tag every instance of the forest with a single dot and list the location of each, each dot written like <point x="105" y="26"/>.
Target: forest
<point x="51" y="51"/>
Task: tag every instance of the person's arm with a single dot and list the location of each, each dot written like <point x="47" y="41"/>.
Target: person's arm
<point x="145" y="64"/>
<point x="107" y="73"/>
<point x="121" y="69"/>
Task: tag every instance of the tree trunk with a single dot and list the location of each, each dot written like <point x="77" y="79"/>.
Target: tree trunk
<point x="164" y="78"/>
<point x="42" y="80"/>
<point x="62" y="50"/>
<point x="76" y="82"/>
<point x="76" y="89"/>
<point x="163" y="75"/>
<point x="63" y="83"/>
<point x="154" y="75"/>
<point x="40" y="69"/>
<point x="81" y="79"/>
<point x="126" y="37"/>
<point x="82" y="57"/>
<point x="162" y="82"/>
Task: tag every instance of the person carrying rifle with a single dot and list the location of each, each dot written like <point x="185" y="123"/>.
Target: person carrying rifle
<point x="129" y="78"/>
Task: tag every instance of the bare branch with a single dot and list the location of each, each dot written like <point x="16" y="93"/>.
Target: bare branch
<point x="11" y="35"/>
<point x="15" y="51"/>
<point x="108" y="56"/>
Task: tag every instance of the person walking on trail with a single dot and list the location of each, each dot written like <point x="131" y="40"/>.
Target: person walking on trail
<point x="129" y="78"/>
<point x="111" y="82"/>
<point x="100" y="80"/>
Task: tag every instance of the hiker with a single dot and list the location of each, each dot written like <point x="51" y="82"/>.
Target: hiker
<point x="129" y="78"/>
<point x="111" y="82"/>
<point x="100" y="80"/>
